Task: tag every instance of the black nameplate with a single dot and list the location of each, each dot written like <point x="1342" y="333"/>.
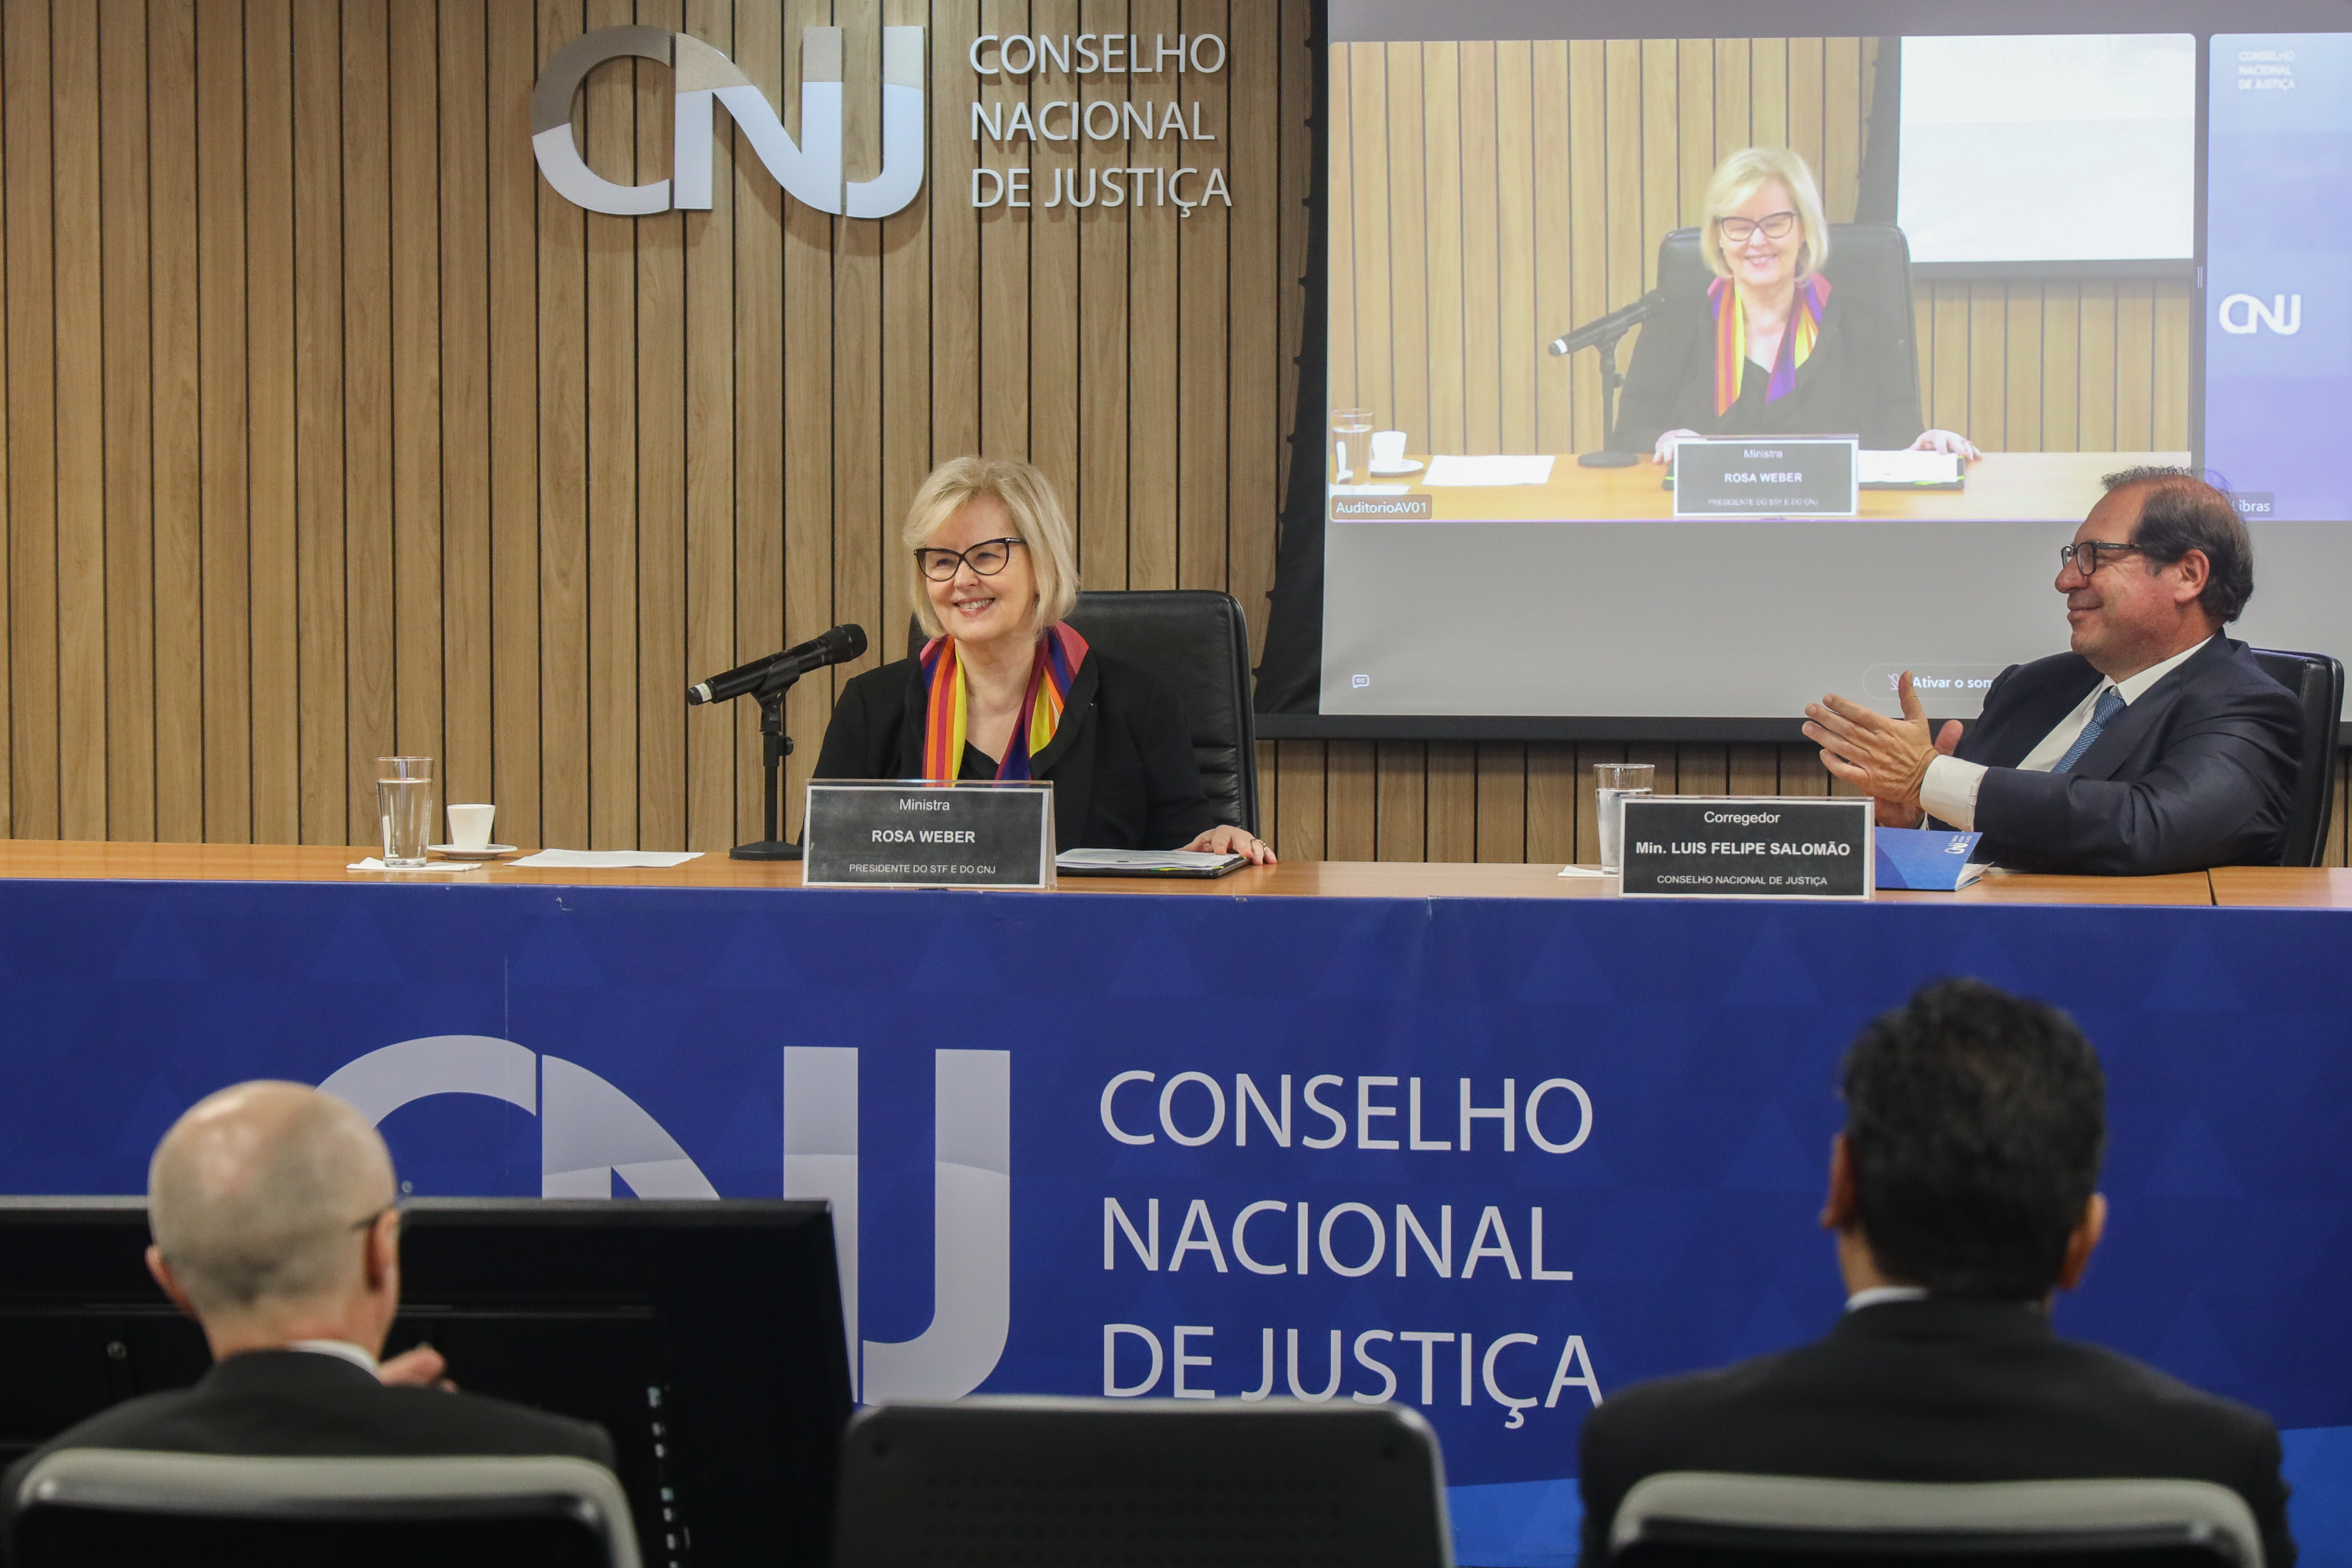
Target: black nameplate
<point x="920" y="834"/>
<point x="1767" y="476"/>
<point x="1760" y="846"/>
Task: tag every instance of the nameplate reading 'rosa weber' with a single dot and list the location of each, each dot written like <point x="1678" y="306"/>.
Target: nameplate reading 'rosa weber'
<point x="1767" y="476"/>
<point x="1758" y="847"/>
<point x="919" y="833"/>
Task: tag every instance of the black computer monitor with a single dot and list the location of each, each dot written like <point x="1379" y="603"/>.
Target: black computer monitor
<point x="706" y="1337"/>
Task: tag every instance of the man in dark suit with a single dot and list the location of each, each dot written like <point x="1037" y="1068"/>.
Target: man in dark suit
<point x="2156" y="744"/>
<point x="1962" y="1194"/>
<point x="272" y="1207"/>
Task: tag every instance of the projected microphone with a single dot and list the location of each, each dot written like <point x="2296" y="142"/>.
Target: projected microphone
<point x="838" y="645"/>
<point x="1610" y="327"/>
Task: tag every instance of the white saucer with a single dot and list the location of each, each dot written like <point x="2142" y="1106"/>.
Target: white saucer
<point x="487" y="852"/>
<point x="1407" y="466"/>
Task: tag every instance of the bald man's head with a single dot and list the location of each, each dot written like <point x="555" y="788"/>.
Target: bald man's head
<point x="259" y="1197"/>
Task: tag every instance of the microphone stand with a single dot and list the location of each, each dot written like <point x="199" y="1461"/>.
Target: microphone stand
<point x="1611" y="378"/>
<point x="774" y="747"/>
<point x="1605" y="333"/>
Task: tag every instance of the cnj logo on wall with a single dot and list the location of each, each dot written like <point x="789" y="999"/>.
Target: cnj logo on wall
<point x="708" y="81"/>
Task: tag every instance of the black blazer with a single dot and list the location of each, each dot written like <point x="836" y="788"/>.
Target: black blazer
<point x="1121" y="762"/>
<point x="1935" y="1391"/>
<point x="2198" y="772"/>
<point x="1852" y="384"/>
<point x="303" y="1402"/>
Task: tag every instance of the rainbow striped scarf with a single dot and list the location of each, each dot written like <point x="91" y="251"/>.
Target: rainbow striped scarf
<point x="1731" y="340"/>
<point x="1059" y="653"/>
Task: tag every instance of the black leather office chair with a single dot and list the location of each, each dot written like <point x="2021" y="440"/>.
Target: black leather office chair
<point x="1705" y="1520"/>
<point x="1870" y="267"/>
<point x="1160" y="1483"/>
<point x="2317" y="682"/>
<point x="82" y="1506"/>
<point x="1197" y="640"/>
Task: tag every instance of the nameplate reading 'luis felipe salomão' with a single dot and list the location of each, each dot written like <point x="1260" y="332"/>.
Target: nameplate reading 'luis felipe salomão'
<point x="1760" y="846"/>
<point x="1767" y="476"/>
<point x="917" y="833"/>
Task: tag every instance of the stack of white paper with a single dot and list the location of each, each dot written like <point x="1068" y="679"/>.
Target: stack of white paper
<point x="1449" y="469"/>
<point x="1907" y="468"/>
<point x="606" y="860"/>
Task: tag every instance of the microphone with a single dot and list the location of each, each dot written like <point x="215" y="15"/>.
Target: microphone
<point x="1613" y="325"/>
<point x="838" y="645"/>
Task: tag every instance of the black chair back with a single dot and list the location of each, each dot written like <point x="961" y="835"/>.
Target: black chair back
<point x="1163" y="1483"/>
<point x="81" y="1505"/>
<point x="1870" y="267"/>
<point x="1197" y="640"/>
<point x="2317" y="682"/>
<point x="1698" y="1519"/>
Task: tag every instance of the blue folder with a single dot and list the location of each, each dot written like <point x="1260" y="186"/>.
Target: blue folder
<point x="1926" y="859"/>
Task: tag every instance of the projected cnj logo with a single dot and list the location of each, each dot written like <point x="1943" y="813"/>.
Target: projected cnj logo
<point x="2244" y="314"/>
<point x="590" y="1131"/>
<point x="707" y="81"/>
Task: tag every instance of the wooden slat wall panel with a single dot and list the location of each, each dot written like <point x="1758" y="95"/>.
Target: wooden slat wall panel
<point x="270" y="402"/>
<point x="83" y="700"/>
<point x="130" y="235"/>
<point x="332" y="431"/>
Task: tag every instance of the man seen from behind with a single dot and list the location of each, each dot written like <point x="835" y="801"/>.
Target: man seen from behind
<point x="273" y="1212"/>
<point x="1963" y="1194"/>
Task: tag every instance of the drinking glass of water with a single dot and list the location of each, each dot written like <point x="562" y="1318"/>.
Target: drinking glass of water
<point x="1612" y="783"/>
<point x="403" y="800"/>
<point x="1349" y="424"/>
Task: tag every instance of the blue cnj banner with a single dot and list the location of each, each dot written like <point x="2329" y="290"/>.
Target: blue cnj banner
<point x="1493" y="1159"/>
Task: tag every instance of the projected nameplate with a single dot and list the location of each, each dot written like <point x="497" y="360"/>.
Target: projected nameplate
<point x="1804" y="476"/>
<point x="1761" y="847"/>
<point x="977" y="834"/>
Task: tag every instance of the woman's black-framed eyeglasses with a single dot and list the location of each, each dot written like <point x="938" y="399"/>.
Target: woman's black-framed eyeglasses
<point x="1739" y="230"/>
<point x="2084" y="557"/>
<point x="987" y="558"/>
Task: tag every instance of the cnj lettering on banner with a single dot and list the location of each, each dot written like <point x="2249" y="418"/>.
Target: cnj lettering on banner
<point x="1374" y="1120"/>
<point x="705" y="81"/>
<point x="1296" y="1236"/>
<point x="1087" y="60"/>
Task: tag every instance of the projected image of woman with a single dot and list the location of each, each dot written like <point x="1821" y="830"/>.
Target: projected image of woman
<point x="1770" y="347"/>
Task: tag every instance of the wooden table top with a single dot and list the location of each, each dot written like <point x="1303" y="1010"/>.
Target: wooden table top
<point x="2052" y="486"/>
<point x="1307" y="879"/>
<point x="2282" y="887"/>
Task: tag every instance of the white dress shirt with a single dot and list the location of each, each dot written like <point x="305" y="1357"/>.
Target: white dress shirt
<point x="1948" y="793"/>
<point x="1880" y="1295"/>
<point x="355" y="1354"/>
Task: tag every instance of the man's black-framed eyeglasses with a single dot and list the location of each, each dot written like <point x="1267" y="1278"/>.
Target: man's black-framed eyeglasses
<point x="987" y="558"/>
<point x="2086" y="556"/>
<point x="1738" y="230"/>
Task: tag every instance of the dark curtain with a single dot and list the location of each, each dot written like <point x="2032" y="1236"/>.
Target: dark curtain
<point x="1290" y="676"/>
<point x="1882" y="136"/>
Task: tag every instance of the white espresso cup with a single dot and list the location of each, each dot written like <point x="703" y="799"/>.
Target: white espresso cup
<point x="1388" y="448"/>
<point x="469" y="826"/>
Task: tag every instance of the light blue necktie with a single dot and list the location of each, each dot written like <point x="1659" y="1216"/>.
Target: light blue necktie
<point x="2111" y="702"/>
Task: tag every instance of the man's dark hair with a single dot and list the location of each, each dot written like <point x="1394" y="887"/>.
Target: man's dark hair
<point x="2181" y="512"/>
<point x="1975" y="1124"/>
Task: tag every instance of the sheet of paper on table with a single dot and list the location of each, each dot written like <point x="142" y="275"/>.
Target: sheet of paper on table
<point x="1449" y="469"/>
<point x="606" y="859"/>
<point x="1907" y="468"/>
